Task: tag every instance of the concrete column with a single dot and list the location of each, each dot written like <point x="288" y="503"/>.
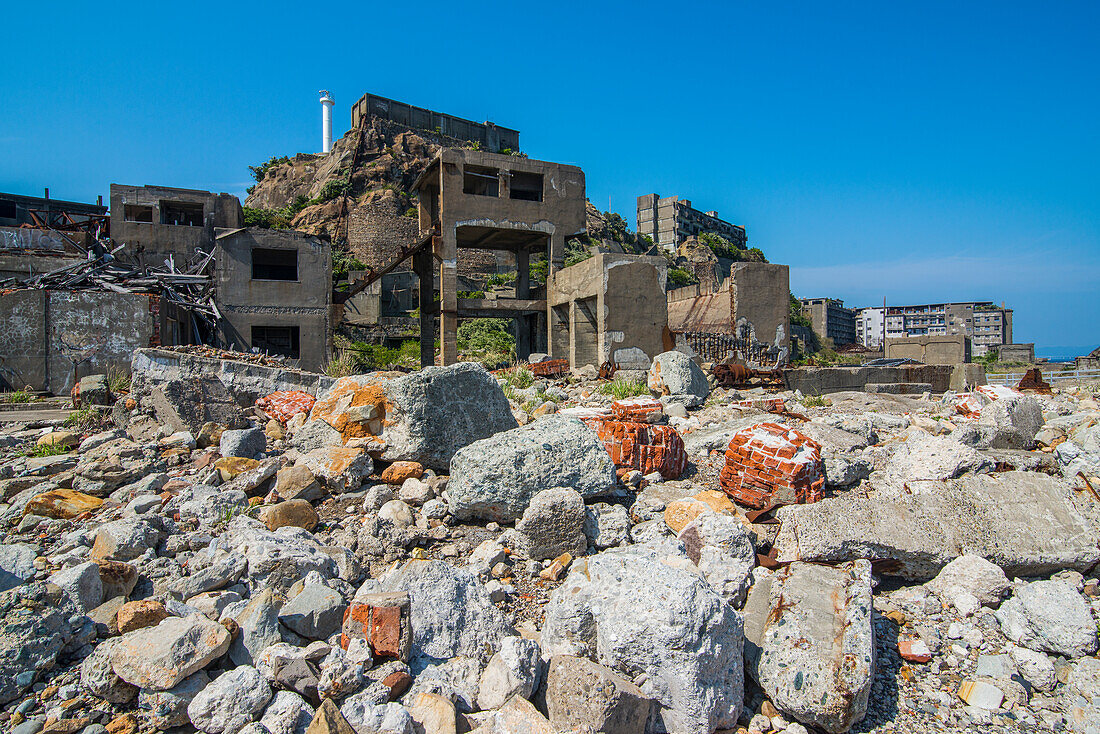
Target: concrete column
<point x="523" y="291"/>
<point x="448" y="297"/>
<point x="422" y="266"/>
<point x="555" y="256"/>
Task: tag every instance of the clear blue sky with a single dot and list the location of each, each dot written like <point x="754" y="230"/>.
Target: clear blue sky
<point x="918" y="151"/>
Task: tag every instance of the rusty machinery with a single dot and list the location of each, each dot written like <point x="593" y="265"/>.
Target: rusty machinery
<point x="738" y="375"/>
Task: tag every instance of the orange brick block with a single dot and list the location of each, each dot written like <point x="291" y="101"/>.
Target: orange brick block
<point x="769" y="465"/>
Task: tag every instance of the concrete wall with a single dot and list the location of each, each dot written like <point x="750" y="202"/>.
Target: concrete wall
<point x="159" y="240"/>
<point x="246" y="302"/>
<point x="493" y="137"/>
<point x="825" y="380"/>
<point x="1016" y="353"/>
<point x="947" y="349"/>
<point x="610" y="306"/>
<point x="44" y="331"/>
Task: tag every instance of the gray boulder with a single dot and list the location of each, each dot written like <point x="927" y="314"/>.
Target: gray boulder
<point x="970" y="574"/>
<point x="230" y="702"/>
<point x="82" y="584"/>
<point x="315" y="435"/>
<point x="315" y="612"/>
<point x="1025" y="523"/>
<point x="288" y="713"/>
<point x="646" y="608"/>
<point x="553" y="524"/>
<point x="94" y="390"/>
<point x="675" y="374"/>
<point x="168" y="709"/>
<point x="451" y="614"/>
<point x="581" y="693"/>
<point x="128" y="538"/>
<point x="1050" y="616"/>
<point x="34" y="629"/>
<point x="97" y="675"/>
<point x="1017" y="419"/>
<point x="160" y="657"/>
<point x="496" y="478"/>
<point x="720" y="546"/>
<point x="512" y="671"/>
<point x="606" y="526"/>
<point x="187" y="404"/>
<point x="259" y="628"/>
<point x="924" y="456"/>
<point x="248" y="443"/>
<point x="810" y="643"/>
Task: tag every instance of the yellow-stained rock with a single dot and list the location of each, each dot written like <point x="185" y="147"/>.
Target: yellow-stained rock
<point x="62" y="439"/>
<point x="62" y="504"/>
<point x="399" y="471"/>
<point x="230" y="467"/>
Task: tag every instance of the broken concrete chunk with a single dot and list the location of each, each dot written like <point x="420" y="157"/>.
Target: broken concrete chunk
<point x="553" y="524"/>
<point x="1023" y="522"/>
<point x="675" y="374"/>
<point x="970" y="574"/>
<point x="1049" y="616"/>
<point x="188" y="404"/>
<point x="160" y="657"/>
<point x="811" y="645"/>
<point x="581" y="693"/>
<point x="497" y="477"/>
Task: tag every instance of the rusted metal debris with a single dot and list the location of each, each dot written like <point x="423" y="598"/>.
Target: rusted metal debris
<point x="550" y="368"/>
<point x="608" y="370"/>
<point x="738" y="375"/>
<point x="1033" y="381"/>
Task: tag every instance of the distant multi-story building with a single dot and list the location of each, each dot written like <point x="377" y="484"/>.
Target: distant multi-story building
<point x="671" y="220"/>
<point x="987" y="324"/>
<point x="831" y="319"/>
<point x="870" y="327"/>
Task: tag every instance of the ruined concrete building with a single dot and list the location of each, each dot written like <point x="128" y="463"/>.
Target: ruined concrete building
<point x="746" y="316"/>
<point x="40" y="234"/>
<point x="490" y="136"/>
<point x="831" y="319"/>
<point x="671" y="220"/>
<point x="475" y="200"/>
<point x="609" y="307"/>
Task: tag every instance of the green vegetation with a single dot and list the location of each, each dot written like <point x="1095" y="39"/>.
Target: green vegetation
<point x="519" y="377"/>
<point x="340" y="366"/>
<point x="490" y="341"/>
<point x="678" y="277"/>
<point x="412" y="212"/>
<point x="87" y="419"/>
<point x="797" y="317"/>
<point x="500" y="279"/>
<point x="576" y="250"/>
<point x="38" y="452"/>
<point x="816" y="401"/>
<point x="260" y="172"/>
<point x="19" y="396"/>
<point x="343" y="263"/>
<point x="721" y="247"/>
<point x="369" y="357"/>
<point x="539" y="269"/>
<point x="471" y="294"/>
<point x="332" y="189"/>
<point x="621" y="388"/>
<point x="118" y="381"/>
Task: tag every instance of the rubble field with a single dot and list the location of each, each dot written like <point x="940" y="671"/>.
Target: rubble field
<point x="238" y="549"/>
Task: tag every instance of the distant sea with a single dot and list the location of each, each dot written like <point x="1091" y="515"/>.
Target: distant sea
<point x="1063" y="354"/>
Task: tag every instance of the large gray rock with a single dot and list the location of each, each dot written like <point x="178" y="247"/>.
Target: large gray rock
<point x="496" y="478"/>
<point x="721" y="547"/>
<point x="259" y="628"/>
<point x="231" y="701"/>
<point x="924" y="456"/>
<point x="1023" y="522"/>
<point x="646" y="608"/>
<point x="128" y="538"/>
<point x="512" y="671"/>
<point x="1017" y="419"/>
<point x="277" y="559"/>
<point x="187" y="404"/>
<point x="246" y="442"/>
<point x="451" y="614"/>
<point x="288" y="713"/>
<point x="82" y="584"/>
<point x="424" y="416"/>
<point x="16" y="564"/>
<point x="973" y="575"/>
<point x="810" y="643"/>
<point x="315" y="612"/>
<point x="675" y="374"/>
<point x="1050" y="616"/>
<point x="160" y="657"/>
<point x="605" y="525"/>
<point x="97" y="675"/>
<point x="553" y="524"/>
<point x="167" y="709"/>
<point x="34" y="629"/>
<point x="94" y="390"/>
<point x="581" y="693"/>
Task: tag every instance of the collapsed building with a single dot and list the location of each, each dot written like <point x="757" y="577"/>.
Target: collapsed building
<point x="178" y="268"/>
<point x="745" y="316"/>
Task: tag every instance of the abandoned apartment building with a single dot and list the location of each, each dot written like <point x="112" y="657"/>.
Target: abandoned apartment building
<point x="669" y="221"/>
<point x="831" y="319"/>
<point x="216" y="282"/>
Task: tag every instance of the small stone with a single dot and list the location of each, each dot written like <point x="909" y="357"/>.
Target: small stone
<point x="135" y="615"/>
<point x="914" y="651"/>
<point x="292" y="513"/>
<point x="297" y="483"/>
<point x="981" y="694"/>
<point x="397" y="513"/>
<point x="247" y="442"/>
<point x="397" y="472"/>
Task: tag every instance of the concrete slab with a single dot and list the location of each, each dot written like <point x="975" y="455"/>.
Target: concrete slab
<point x="1024" y="522"/>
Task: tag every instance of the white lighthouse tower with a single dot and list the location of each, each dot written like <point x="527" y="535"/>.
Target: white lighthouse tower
<point x="326" y="121"/>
